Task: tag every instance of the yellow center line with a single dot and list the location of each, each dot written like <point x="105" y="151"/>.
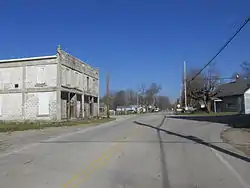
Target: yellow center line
<point x="90" y="166"/>
<point x="96" y="164"/>
<point x="97" y="167"/>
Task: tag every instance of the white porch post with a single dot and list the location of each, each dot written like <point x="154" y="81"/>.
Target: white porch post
<point x="215" y="110"/>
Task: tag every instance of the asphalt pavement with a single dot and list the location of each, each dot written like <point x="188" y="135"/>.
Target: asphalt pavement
<point x="148" y="151"/>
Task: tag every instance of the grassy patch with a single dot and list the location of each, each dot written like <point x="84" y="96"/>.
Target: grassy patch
<point x="21" y="126"/>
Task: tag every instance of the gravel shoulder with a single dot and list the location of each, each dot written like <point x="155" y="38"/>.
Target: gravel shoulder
<point x="11" y="141"/>
<point x="238" y="138"/>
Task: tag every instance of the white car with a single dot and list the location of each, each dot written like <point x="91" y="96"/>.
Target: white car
<point x="157" y="110"/>
<point x="179" y="110"/>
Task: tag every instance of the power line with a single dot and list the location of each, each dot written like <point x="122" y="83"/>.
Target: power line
<point x="223" y="47"/>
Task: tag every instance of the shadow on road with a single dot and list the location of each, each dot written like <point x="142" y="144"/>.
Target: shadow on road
<point x="195" y="139"/>
<point x="165" y="180"/>
<point x="237" y="120"/>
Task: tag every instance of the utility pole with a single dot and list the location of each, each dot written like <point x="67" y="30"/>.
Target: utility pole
<point x="137" y="102"/>
<point x="107" y="95"/>
<point x="185" y="84"/>
<point x="137" y="99"/>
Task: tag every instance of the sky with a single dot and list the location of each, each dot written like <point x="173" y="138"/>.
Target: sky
<point x="136" y="42"/>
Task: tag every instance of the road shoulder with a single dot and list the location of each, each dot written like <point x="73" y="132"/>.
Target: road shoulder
<point x="18" y="140"/>
<point x="238" y="138"/>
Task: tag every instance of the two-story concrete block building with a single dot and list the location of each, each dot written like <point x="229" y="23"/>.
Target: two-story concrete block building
<point x="53" y="87"/>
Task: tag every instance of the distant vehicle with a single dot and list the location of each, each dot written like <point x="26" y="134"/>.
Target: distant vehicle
<point x="190" y="109"/>
<point x="179" y="110"/>
<point x="157" y="110"/>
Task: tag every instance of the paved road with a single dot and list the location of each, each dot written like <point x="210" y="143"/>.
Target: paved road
<point x="131" y="153"/>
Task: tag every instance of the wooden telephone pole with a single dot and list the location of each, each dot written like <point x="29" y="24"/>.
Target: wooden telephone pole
<point x="107" y="95"/>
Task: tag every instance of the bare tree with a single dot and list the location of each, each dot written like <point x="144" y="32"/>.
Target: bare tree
<point x="151" y="93"/>
<point x="141" y="94"/>
<point x="146" y="96"/>
<point x="111" y="99"/>
<point x="119" y="98"/>
<point x="245" y="66"/>
<point x="131" y="97"/>
<point x="203" y="88"/>
<point x="163" y="102"/>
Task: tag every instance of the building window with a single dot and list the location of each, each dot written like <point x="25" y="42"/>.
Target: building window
<point x="231" y="105"/>
<point x="40" y="75"/>
<point x="87" y="83"/>
<point x="68" y="77"/>
<point x="43" y="104"/>
<point x="73" y="78"/>
<point x="16" y="85"/>
<point x="94" y="84"/>
<point x="78" y="81"/>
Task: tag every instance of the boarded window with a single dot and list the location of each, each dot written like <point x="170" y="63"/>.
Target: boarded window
<point x="43" y="103"/>
<point x="6" y="76"/>
<point x="63" y="76"/>
<point x="77" y="79"/>
<point x="6" y="79"/>
<point x="68" y="77"/>
<point x="87" y="83"/>
<point x="40" y="75"/>
<point x="231" y="105"/>
<point x="73" y="77"/>
<point x="83" y="82"/>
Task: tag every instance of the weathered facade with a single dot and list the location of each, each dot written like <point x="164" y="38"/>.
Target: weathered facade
<point x="48" y="88"/>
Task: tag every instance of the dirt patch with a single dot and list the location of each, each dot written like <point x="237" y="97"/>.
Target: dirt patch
<point x="238" y="138"/>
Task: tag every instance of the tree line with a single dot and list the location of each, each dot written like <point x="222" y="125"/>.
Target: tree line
<point x="144" y="96"/>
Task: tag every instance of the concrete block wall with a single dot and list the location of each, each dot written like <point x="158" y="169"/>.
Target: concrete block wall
<point x="70" y="66"/>
<point x="64" y="76"/>
<point x="96" y="109"/>
<point x="41" y="76"/>
<point x="86" y="110"/>
<point x="21" y="81"/>
<point x="74" y="74"/>
<point x="83" y="107"/>
<point x="11" y="106"/>
<point x="31" y="106"/>
<point x="11" y="76"/>
<point x="71" y="78"/>
<point x="93" y="75"/>
<point x="93" y="85"/>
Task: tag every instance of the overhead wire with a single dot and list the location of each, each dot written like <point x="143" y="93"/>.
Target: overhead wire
<point x="221" y="49"/>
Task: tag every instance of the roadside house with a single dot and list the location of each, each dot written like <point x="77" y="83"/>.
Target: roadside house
<point x="102" y="109"/>
<point x="233" y="97"/>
